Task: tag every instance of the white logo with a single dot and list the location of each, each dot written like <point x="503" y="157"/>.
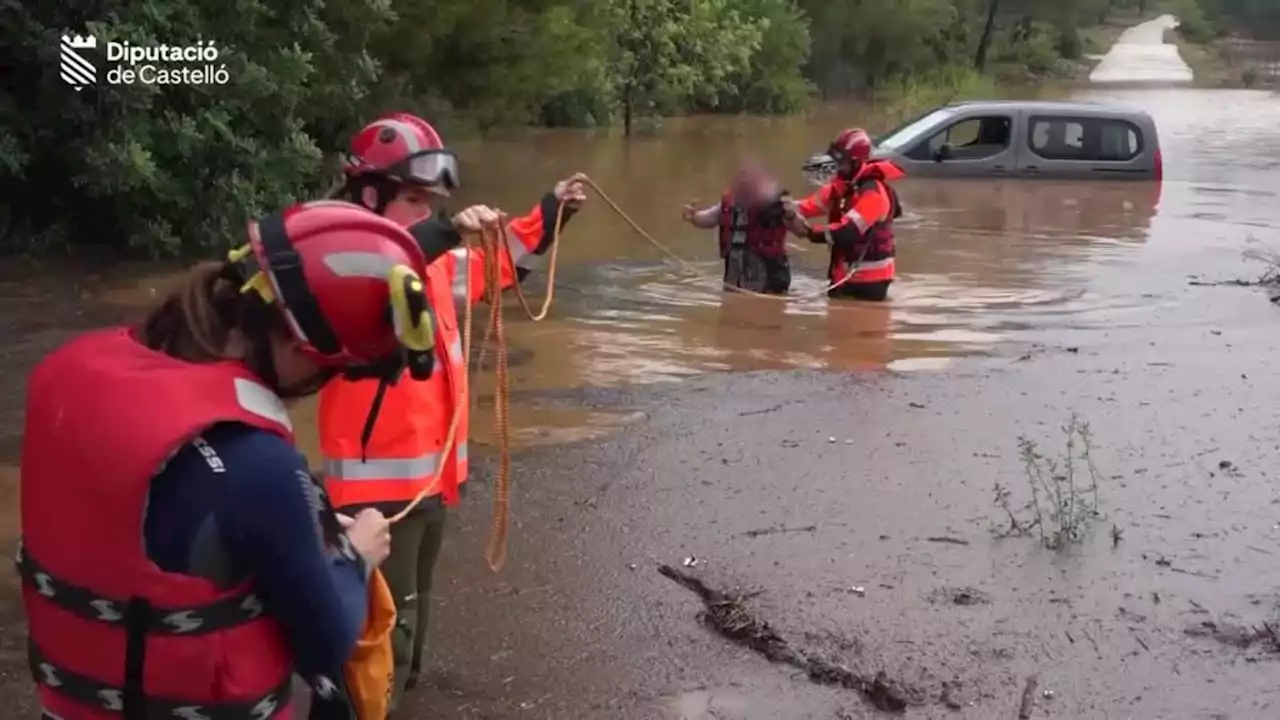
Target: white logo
<point x="190" y="712"/>
<point x="44" y="584"/>
<point x="106" y="610"/>
<point x="183" y="621"/>
<point x="111" y="699"/>
<point x="324" y="687"/>
<point x="75" y="70"/>
<point x="252" y="605"/>
<point x="50" y="675"/>
<point x="264" y="709"/>
<point x="129" y="64"/>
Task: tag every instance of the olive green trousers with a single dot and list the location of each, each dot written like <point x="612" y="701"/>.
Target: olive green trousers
<point x="415" y="550"/>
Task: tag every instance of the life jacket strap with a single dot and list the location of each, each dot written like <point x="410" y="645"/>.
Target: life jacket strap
<point x="221" y="615"/>
<point x="114" y="699"/>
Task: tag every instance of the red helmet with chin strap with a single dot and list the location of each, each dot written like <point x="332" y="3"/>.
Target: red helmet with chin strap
<point x="852" y="144"/>
<point x="347" y="282"/>
<point x="403" y="147"/>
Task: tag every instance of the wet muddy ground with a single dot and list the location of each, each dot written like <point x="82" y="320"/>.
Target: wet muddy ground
<point x="828" y="474"/>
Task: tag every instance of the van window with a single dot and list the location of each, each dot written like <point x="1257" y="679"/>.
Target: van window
<point x="1089" y="139"/>
<point x="974" y="138"/>
<point x="909" y="131"/>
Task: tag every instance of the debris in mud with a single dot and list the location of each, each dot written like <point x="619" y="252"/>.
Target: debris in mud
<point x="963" y="596"/>
<point x="1230" y="468"/>
<point x="1264" y="637"/>
<point x="770" y="409"/>
<point x="779" y="530"/>
<point x="947" y="539"/>
<point x="955" y="696"/>
<point x="727" y="616"/>
<point x="690" y="561"/>
<point x="1028" y="698"/>
<point x="1238" y="282"/>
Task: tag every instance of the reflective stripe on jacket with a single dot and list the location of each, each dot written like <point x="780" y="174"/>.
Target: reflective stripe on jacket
<point x="403" y="457"/>
<point x="859" y="228"/>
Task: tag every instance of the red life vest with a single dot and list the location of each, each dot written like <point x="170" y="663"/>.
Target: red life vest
<point x="876" y="263"/>
<point x="766" y="237"/>
<point x="109" y="630"/>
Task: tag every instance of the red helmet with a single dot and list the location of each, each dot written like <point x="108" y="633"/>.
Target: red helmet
<point x="336" y="271"/>
<point x="853" y="144"/>
<point x="405" y="147"/>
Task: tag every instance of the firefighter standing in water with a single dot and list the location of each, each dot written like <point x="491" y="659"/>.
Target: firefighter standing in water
<point x="752" y="218"/>
<point x="396" y="167"/>
<point x="177" y="559"/>
<point x="860" y="206"/>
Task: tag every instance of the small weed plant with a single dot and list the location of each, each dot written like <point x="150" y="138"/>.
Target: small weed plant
<point x="1064" y="491"/>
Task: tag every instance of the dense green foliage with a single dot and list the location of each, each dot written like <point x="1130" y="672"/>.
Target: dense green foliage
<point x="164" y="169"/>
<point x="1205" y="20"/>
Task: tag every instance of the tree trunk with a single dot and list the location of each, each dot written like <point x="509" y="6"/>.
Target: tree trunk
<point x="628" y="92"/>
<point x="626" y="112"/>
<point x="980" y="59"/>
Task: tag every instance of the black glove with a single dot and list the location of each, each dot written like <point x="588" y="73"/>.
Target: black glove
<point x="436" y="235"/>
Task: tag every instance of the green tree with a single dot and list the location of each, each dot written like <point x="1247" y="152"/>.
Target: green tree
<point x="669" y="52"/>
<point x="771" y="82"/>
<point x="170" y="168"/>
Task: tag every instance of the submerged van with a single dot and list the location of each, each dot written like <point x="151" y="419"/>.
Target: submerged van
<point x="1019" y="139"/>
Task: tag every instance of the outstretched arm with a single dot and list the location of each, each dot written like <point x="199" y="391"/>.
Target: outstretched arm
<point x="704" y="219"/>
<point x="870" y="206"/>
<point x="531" y="234"/>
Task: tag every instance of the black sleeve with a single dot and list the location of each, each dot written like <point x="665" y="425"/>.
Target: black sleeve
<point x="548" y="207"/>
<point x="436" y="235"/>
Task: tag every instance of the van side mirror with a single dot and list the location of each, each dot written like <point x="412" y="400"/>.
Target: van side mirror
<point x="943" y="153"/>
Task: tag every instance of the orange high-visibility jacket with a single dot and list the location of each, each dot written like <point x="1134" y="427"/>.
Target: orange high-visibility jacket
<point x="860" y="215"/>
<point x="403" y="455"/>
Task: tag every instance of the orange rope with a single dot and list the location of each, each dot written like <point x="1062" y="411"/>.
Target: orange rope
<point x="496" y="250"/>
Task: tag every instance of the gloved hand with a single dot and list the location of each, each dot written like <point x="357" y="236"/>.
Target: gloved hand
<point x="478" y="218"/>
<point x="572" y="191"/>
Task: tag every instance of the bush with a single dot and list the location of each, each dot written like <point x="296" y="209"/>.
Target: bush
<point x="166" y="169"/>
<point x="1069" y="44"/>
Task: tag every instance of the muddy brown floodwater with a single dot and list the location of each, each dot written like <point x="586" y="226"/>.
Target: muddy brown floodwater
<point x="811" y="456"/>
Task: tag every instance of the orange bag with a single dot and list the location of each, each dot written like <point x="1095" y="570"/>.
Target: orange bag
<point x="370" y="669"/>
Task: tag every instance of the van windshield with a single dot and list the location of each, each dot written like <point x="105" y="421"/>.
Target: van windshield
<point x="907" y="132"/>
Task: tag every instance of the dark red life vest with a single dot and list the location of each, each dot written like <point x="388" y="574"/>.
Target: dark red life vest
<point x="107" y="627"/>
<point x="766" y="235"/>
<point x="874" y="258"/>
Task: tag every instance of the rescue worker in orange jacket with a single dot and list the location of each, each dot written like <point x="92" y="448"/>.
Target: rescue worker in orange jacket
<point x="860" y="206"/>
<point x="752" y="221"/>
<point x="397" y="166"/>
<point x="177" y="558"/>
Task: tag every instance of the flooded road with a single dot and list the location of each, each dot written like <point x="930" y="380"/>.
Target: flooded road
<point x="1017" y="304"/>
<point x="1142" y="56"/>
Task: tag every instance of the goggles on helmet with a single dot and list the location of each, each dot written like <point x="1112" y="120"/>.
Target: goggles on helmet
<point x="437" y="168"/>
<point x="433" y="168"/>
